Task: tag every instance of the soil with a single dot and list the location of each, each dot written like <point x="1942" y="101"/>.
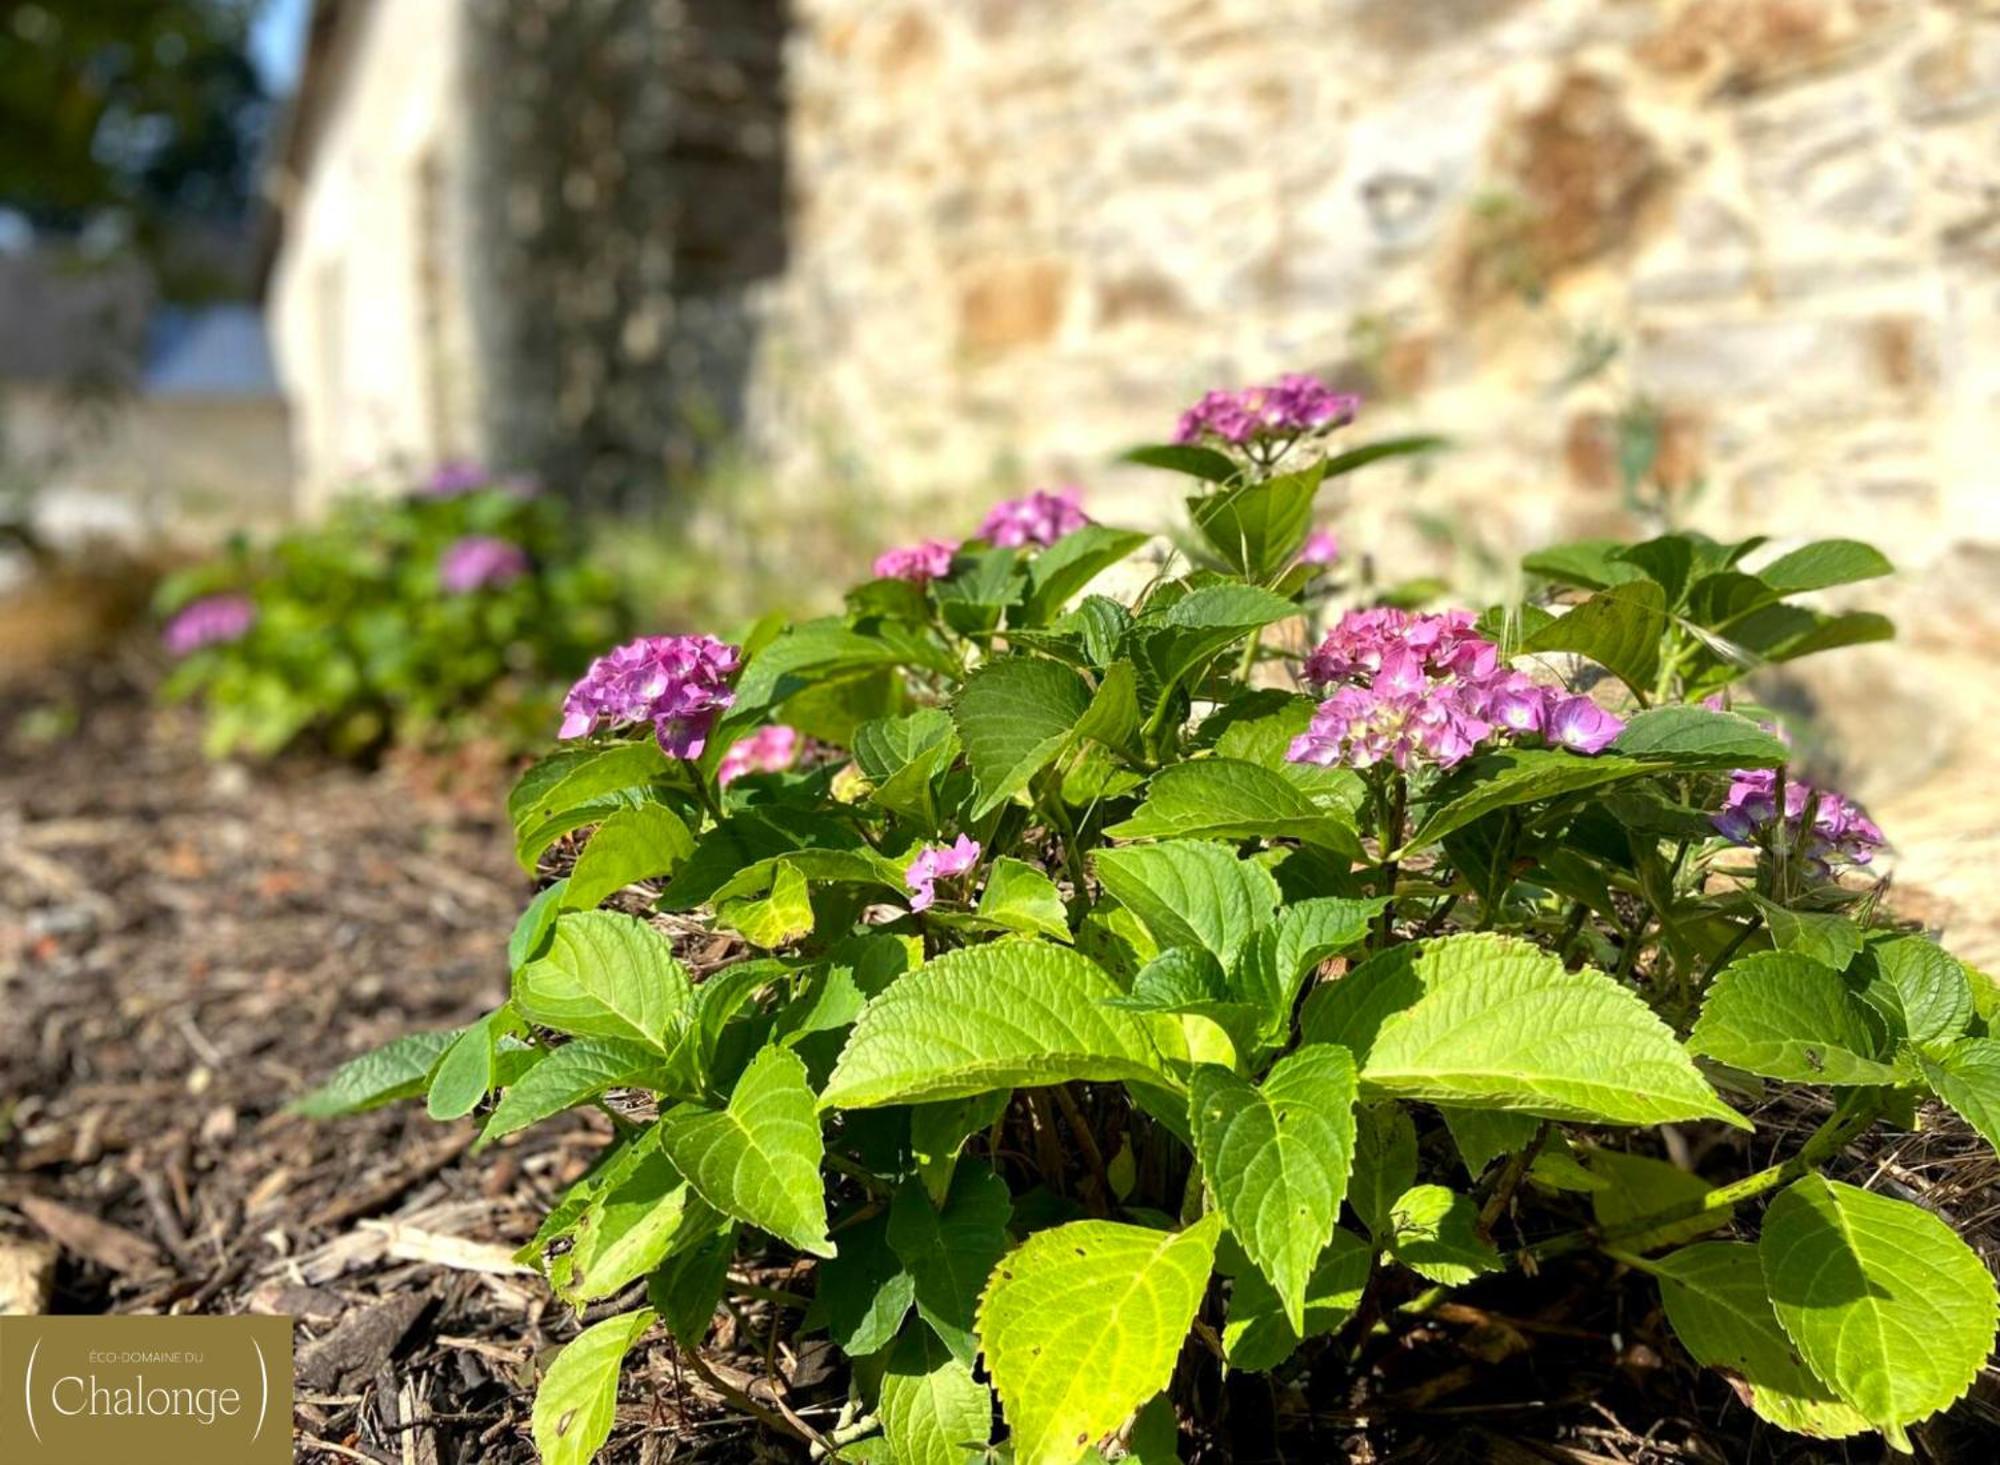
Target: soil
<point x="185" y="947"/>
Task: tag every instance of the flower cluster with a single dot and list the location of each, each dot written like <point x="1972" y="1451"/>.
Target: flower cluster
<point x="1428" y="686"/>
<point x="677" y="683"/>
<point x="919" y="563"/>
<point x="1322" y="548"/>
<point x="480" y="561"/>
<point x="770" y="749"/>
<point x="935" y="862"/>
<point x="214" y="620"/>
<point x="1839" y="831"/>
<point x="1278" y="412"/>
<point x="1040" y="518"/>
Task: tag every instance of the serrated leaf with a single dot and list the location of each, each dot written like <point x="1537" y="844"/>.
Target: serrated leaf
<point x="1783" y="1015"/>
<point x="1699" y="737"/>
<point x="1223" y="798"/>
<point x="1081" y="1325"/>
<point x="1883" y="1303"/>
<point x="633" y="844"/>
<point x="398" y="1069"/>
<point x="1586" y="563"/>
<point x="1825" y="563"/>
<point x="643" y="1212"/>
<point x="1920" y="989"/>
<point x="1638" y="1186"/>
<point x="1014" y="715"/>
<point x="1484" y="1135"/>
<point x="939" y="1131"/>
<point x="1715" y="1300"/>
<point x="530" y="936"/>
<point x="466" y="1073"/>
<point x="822" y="650"/>
<point x="864" y="1293"/>
<point x="579" y="775"/>
<point x="688" y="1069"/>
<point x="950" y="1251"/>
<point x="1966" y="1075"/>
<point x="1435" y="1233"/>
<point x="934" y="1412"/>
<point x="1188" y="980"/>
<point x="1618" y="628"/>
<point x="1019" y="897"/>
<point x="568" y="1076"/>
<point x="578" y="1398"/>
<point x="1257" y="527"/>
<point x="1257" y="1336"/>
<point x="688" y="1286"/>
<point x="1191" y="893"/>
<point x="779" y="916"/>
<point x="1385" y="1164"/>
<point x="1279" y="959"/>
<point x="1276" y="1156"/>
<point x="1484" y="1020"/>
<point x="1005" y="1014"/>
<point x="758" y="1160"/>
<point x="1201" y="624"/>
<point x="1072" y="562"/>
<point x="1511" y="776"/>
<point x="1831" y="940"/>
<point x="606" y="975"/>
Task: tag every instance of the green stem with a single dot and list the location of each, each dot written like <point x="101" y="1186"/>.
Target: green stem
<point x="1392" y="840"/>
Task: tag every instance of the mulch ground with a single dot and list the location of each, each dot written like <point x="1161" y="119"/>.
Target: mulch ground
<point x="185" y="947"/>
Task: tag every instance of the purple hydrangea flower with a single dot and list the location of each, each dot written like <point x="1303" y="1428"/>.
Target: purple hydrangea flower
<point x="770" y="749"/>
<point x="1279" y="412"/>
<point x="455" y="476"/>
<point x="938" y="862"/>
<point x="1041" y="518"/>
<point x="214" y="620"/>
<point x="1840" y="831"/>
<point x="480" y="561"/>
<point x="1579" y="724"/>
<point x="1322" y="547"/>
<point x="677" y="683"/>
<point x="919" y="563"/>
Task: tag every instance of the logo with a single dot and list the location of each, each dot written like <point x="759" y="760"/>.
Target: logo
<point x="84" y="1390"/>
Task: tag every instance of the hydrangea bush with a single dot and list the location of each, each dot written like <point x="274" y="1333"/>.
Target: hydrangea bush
<point x="1096" y="993"/>
<point x="463" y="606"/>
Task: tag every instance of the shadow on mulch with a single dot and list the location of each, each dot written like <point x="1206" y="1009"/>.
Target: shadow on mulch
<point x="185" y="947"/>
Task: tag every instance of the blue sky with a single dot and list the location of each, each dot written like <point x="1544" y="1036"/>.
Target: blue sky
<point x="278" y="41"/>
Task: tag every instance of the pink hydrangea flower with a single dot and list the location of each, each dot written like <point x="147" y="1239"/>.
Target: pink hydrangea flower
<point x="1322" y="547"/>
<point x="937" y="862"/>
<point x="1840" y="831"/>
<point x="1446" y="643"/>
<point x="1041" y="518"/>
<point x="453" y="477"/>
<point x="480" y="561"/>
<point x="919" y="563"/>
<point x="770" y="749"/>
<point x="1276" y="413"/>
<point x="214" y="620"/>
<point x="677" y="683"/>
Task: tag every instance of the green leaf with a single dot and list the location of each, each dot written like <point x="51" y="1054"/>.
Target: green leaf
<point x="1388" y="447"/>
<point x="1081" y="1325"/>
<point x="1276" y="1156"/>
<point x="780" y="916"/>
<point x="1258" y="527"/>
<point x="1512" y="776"/>
<point x="1072" y="562"/>
<point x="1484" y="1020"/>
<point x="643" y="1212"/>
<point x="865" y="1292"/>
<point x="633" y="844"/>
<point x="1920" y="989"/>
<point x="1284" y="954"/>
<point x="687" y="1288"/>
<point x="398" y="1069"/>
<point x="577" y="776"/>
<point x="1223" y="798"/>
<point x="1201" y="624"/>
<point x="1435" y="1233"/>
<point x="1019" y="897"/>
<point x="535" y="840"/>
<point x="1618" y="628"/>
<point x="950" y="1251"/>
<point x="1824" y="563"/>
<point x="1189" y="980"/>
<point x="1587" y="563"/>
<point x="1639" y="1186"/>
<point x="465" y="1074"/>
<point x="1831" y="940"/>
<point x="1113" y="716"/>
<point x="1715" y="1299"/>
<point x="1190" y="893"/>
<point x="1783" y="1015"/>
<point x="1484" y="1135"/>
<point x="1385" y="1164"/>
<point x="606" y="975"/>
<point x="1257" y="1336"/>
<point x="1014" y="715"/>
<point x="939" y="1131"/>
<point x="903" y="757"/>
<point x="689" y="1068"/>
<point x="569" y="1075"/>
<point x="758" y="1160"/>
<point x="1699" y="737"/>
<point x="1966" y="1075"/>
<point x="934" y="1412"/>
<point x="578" y="1399"/>
<point x="822" y="650"/>
<point x="1005" y="1014"/>
<point x="531" y="932"/>
<point x="1883" y="1303"/>
<point x="1187" y="458"/>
